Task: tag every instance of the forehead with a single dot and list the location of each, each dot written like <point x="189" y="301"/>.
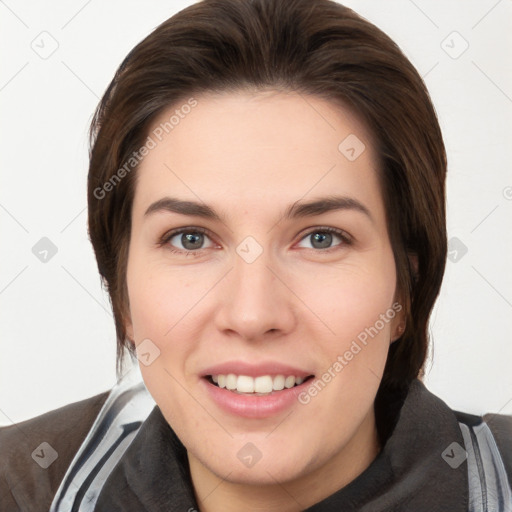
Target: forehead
<point x="246" y="147"/>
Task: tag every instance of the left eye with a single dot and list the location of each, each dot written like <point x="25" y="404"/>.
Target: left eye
<point x="321" y="239"/>
<point x="190" y="240"/>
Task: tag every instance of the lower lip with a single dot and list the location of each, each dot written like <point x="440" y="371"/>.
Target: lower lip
<point x="253" y="406"/>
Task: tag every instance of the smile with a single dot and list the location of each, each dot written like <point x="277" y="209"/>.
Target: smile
<point x="254" y="391"/>
<point x="258" y="386"/>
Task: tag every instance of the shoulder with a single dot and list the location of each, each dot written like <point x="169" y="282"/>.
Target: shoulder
<point x="34" y="454"/>
<point x="501" y="428"/>
<point x="488" y="444"/>
<point x="499" y="425"/>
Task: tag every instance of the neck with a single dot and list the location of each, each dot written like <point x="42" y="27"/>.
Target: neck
<point x="215" y="494"/>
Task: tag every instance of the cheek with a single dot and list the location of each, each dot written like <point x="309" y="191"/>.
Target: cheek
<point x="151" y="304"/>
<point x="160" y="297"/>
<point x="163" y="310"/>
<point x="353" y="298"/>
<point x="167" y="307"/>
<point x="355" y="304"/>
<point x="358" y="309"/>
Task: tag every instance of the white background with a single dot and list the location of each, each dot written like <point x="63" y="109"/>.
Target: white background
<point x="57" y="332"/>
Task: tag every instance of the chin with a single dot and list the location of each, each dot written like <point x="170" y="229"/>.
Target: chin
<point x="261" y="474"/>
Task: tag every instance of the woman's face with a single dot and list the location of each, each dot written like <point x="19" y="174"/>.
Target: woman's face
<point x="259" y="258"/>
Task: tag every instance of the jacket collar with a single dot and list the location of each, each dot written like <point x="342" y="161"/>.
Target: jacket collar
<point x="409" y="474"/>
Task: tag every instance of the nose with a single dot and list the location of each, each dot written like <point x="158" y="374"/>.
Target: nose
<point x="256" y="304"/>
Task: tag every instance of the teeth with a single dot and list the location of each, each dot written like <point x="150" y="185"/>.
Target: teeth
<point x="245" y="384"/>
<point x="278" y="384"/>
<point x="230" y="381"/>
<point x="289" y="382"/>
<point x="263" y="384"/>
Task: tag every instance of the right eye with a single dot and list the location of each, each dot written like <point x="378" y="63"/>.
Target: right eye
<point x="186" y="240"/>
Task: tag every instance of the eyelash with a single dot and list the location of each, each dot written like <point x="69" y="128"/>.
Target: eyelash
<point x="164" y="241"/>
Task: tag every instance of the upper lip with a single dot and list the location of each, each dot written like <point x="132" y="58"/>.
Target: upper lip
<point x="255" y="370"/>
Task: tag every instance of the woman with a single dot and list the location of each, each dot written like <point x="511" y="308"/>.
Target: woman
<point x="267" y="208"/>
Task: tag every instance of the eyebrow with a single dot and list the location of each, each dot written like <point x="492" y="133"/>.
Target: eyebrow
<point x="296" y="210"/>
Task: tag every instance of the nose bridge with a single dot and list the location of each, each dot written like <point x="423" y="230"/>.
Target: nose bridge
<point x="255" y="301"/>
<point x="253" y="281"/>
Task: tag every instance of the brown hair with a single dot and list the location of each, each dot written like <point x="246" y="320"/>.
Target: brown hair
<point x="313" y="47"/>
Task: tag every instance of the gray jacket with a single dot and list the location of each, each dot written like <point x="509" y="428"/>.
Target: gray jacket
<point x="116" y="452"/>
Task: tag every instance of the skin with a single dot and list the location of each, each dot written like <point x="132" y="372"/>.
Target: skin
<point x="249" y="156"/>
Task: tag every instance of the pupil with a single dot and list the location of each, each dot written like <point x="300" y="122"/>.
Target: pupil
<point x="192" y="240"/>
<point x="321" y="240"/>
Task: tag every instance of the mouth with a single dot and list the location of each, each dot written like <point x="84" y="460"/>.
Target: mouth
<point x="255" y="390"/>
<point x="261" y="385"/>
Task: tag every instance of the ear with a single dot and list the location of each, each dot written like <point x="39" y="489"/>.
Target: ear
<point x="128" y="326"/>
<point x="413" y="264"/>
<point x="129" y="331"/>
<point x="399" y="323"/>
